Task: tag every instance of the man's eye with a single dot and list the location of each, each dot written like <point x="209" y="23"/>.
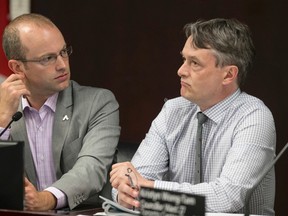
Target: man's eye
<point x="64" y="53"/>
<point x="47" y="59"/>
<point x="194" y="63"/>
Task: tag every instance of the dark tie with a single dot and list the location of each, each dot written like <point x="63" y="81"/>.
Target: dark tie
<point x="198" y="161"/>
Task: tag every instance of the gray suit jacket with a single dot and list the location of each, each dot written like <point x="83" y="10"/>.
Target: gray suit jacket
<point x="83" y="146"/>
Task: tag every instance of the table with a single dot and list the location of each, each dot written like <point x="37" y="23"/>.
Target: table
<point x="88" y="212"/>
<point x="4" y="212"/>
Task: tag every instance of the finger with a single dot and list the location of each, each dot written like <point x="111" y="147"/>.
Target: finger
<point x="16" y="80"/>
<point x="125" y="164"/>
<point x="128" y="190"/>
<point x="14" y="77"/>
<point x="118" y="171"/>
<point x="113" y="171"/>
<point x="114" y="166"/>
<point x="127" y="196"/>
<point x="14" y="89"/>
<point x="115" y="180"/>
<point x="123" y="167"/>
<point x="27" y="183"/>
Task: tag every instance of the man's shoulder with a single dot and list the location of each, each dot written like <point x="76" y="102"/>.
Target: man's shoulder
<point x="246" y="104"/>
<point x="179" y="102"/>
<point x="247" y="100"/>
<point x="179" y="105"/>
<point x="75" y="85"/>
<point x="85" y="95"/>
<point x="87" y="90"/>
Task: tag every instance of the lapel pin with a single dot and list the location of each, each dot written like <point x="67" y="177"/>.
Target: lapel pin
<point x="65" y="118"/>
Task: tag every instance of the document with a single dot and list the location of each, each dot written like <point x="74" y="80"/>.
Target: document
<point x="112" y="208"/>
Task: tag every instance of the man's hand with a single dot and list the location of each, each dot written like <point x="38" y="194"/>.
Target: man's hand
<point x="127" y="195"/>
<point x="10" y="92"/>
<point x="38" y="201"/>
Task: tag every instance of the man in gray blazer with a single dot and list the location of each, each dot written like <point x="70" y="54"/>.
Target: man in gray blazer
<point x="70" y="131"/>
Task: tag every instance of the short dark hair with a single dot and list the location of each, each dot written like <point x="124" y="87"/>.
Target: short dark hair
<point x="230" y="39"/>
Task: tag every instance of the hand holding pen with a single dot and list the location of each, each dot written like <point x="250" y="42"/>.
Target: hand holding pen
<point x="128" y="181"/>
<point x="132" y="184"/>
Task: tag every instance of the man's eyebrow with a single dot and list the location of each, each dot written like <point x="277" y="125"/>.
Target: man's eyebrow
<point x="181" y="53"/>
<point x="188" y="57"/>
<point x="52" y="53"/>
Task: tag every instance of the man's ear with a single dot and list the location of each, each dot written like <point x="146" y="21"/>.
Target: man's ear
<point x="16" y="66"/>
<point x="231" y="74"/>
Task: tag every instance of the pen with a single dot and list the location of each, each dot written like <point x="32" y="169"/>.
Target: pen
<point x="131" y="182"/>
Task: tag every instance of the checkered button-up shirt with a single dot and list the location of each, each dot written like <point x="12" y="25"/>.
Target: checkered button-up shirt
<point x="239" y="141"/>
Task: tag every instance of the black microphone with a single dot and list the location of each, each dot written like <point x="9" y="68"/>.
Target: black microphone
<point x="263" y="174"/>
<point x="15" y="117"/>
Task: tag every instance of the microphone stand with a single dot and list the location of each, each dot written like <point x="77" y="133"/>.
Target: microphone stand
<point x="15" y="117"/>
<point x="268" y="168"/>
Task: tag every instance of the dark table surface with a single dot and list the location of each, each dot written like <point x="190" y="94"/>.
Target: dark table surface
<point x="4" y="212"/>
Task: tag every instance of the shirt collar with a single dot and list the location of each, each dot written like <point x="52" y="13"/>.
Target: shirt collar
<point x="215" y="113"/>
<point x="50" y="102"/>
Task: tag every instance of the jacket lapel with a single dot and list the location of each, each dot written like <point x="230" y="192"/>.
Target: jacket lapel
<point x="19" y="133"/>
<point x="62" y="119"/>
<point x="61" y="124"/>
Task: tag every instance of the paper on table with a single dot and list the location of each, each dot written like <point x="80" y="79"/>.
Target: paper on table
<point x="112" y="208"/>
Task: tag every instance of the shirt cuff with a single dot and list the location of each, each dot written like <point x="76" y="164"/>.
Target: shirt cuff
<point x="60" y="196"/>
<point x="165" y="185"/>
<point x="114" y="194"/>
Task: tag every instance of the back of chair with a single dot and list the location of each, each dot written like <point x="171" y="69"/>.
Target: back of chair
<point x="125" y="151"/>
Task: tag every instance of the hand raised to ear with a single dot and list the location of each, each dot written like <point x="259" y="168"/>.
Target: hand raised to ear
<point x="11" y="91"/>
